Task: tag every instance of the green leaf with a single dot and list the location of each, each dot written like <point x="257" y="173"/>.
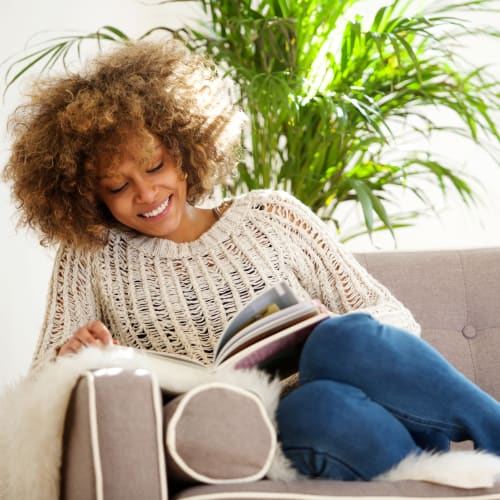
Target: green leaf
<point x="325" y="87"/>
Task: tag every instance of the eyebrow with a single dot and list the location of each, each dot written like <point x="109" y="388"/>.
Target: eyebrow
<point x="110" y="177"/>
<point x="113" y="176"/>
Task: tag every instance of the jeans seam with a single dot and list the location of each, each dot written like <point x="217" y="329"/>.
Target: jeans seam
<point x="324" y="453"/>
<point x="434" y="424"/>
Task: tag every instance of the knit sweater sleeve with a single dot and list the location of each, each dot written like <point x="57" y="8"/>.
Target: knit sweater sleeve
<point x="71" y="302"/>
<point x="327" y="271"/>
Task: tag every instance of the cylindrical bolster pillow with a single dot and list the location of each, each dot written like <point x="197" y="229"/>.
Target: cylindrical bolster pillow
<point x="218" y="433"/>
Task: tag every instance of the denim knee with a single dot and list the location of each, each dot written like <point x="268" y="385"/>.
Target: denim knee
<point x="340" y="327"/>
<point x="333" y="430"/>
<point x="320" y="347"/>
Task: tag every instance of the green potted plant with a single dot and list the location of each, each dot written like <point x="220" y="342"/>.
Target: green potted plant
<point x="331" y="94"/>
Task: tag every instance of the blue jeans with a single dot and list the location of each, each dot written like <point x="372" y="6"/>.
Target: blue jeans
<point x="370" y="394"/>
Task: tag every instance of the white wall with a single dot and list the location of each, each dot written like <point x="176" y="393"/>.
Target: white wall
<point x="25" y="266"/>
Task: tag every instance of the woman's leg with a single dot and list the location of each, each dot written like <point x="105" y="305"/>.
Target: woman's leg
<point x="333" y="430"/>
<point x="406" y="376"/>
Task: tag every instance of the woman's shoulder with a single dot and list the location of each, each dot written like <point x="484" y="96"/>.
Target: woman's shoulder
<point x="268" y="199"/>
<point x="283" y="206"/>
<point x="284" y="209"/>
<point x="84" y="255"/>
<point x="74" y="259"/>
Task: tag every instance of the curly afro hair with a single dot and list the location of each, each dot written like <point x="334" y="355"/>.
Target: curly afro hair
<point x="71" y="124"/>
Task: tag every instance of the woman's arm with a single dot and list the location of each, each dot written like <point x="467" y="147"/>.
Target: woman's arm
<point x="71" y="302"/>
<point x="328" y="272"/>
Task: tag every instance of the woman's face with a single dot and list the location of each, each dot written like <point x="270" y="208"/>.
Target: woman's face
<point x="147" y="195"/>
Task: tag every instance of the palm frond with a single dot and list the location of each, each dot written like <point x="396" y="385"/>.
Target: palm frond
<point x="333" y="96"/>
<point x="58" y="50"/>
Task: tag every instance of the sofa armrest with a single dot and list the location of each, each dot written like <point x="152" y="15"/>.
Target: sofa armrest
<point x="113" y="438"/>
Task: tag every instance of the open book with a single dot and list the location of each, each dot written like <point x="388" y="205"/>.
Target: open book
<point x="268" y="333"/>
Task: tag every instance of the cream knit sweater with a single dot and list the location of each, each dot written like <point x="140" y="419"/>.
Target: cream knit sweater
<point x="165" y="296"/>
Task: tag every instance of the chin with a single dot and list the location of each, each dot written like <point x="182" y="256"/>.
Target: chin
<point x="164" y="233"/>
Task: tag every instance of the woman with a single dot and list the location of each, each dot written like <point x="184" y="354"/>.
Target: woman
<point x="113" y="163"/>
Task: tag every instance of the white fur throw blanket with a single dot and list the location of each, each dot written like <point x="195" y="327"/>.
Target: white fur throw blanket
<point x="32" y="421"/>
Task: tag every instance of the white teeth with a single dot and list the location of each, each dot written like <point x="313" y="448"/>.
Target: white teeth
<point x="158" y="210"/>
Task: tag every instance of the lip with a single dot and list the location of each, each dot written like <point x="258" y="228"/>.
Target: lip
<point x="161" y="214"/>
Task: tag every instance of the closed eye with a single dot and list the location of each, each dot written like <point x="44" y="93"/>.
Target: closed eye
<point x="155" y="169"/>
<point x="121" y="188"/>
<point x="118" y="189"/>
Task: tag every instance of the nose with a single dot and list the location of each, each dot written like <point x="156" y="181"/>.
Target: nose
<point x="145" y="191"/>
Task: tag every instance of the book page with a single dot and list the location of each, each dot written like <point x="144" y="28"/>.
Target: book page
<point x="175" y="373"/>
<point x="262" y="352"/>
<point x="171" y="357"/>
<point x="280" y="294"/>
<point x="265" y="327"/>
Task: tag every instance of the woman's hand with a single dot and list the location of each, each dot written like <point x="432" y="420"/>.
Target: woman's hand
<point x="321" y="307"/>
<point x="92" y="333"/>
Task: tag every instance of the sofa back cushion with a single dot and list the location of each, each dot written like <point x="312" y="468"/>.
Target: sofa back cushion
<point x="455" y="296"/>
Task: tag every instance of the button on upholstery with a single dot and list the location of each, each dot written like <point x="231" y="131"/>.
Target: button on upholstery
<point x="469" y="332"/>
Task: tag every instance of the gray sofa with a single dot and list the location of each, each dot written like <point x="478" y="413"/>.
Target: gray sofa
<point x="455" y="296"/>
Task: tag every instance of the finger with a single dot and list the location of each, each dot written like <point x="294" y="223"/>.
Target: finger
<point x="72" y="346"/>
<point x="321" y="307"/>
<point x="64" y="349"/>
<point x="76" y="344"/>
<point x="84" y="336"/>
<point x="99" y="331"/>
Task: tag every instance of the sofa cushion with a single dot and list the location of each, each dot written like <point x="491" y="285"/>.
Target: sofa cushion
<point x="321" y="489"/>
<point x="218" y="433"/>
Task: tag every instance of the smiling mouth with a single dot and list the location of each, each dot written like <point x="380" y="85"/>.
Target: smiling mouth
<point x="158" y="210"/>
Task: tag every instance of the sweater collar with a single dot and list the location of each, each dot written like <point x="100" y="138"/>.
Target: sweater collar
<point x="227" y="225"/>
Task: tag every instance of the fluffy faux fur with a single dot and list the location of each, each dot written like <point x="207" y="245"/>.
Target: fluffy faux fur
<point x="32" y="416"/>
<point x="32" y="421"/>
<point x="32" y="413"/>
<point x="462" y="469"/>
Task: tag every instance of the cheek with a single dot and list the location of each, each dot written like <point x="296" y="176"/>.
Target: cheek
<point x="116" y="206"/>
<point x="182" y="181"/>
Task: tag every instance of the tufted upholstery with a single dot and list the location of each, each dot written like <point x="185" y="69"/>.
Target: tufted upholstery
<point x="455" y="296"/>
